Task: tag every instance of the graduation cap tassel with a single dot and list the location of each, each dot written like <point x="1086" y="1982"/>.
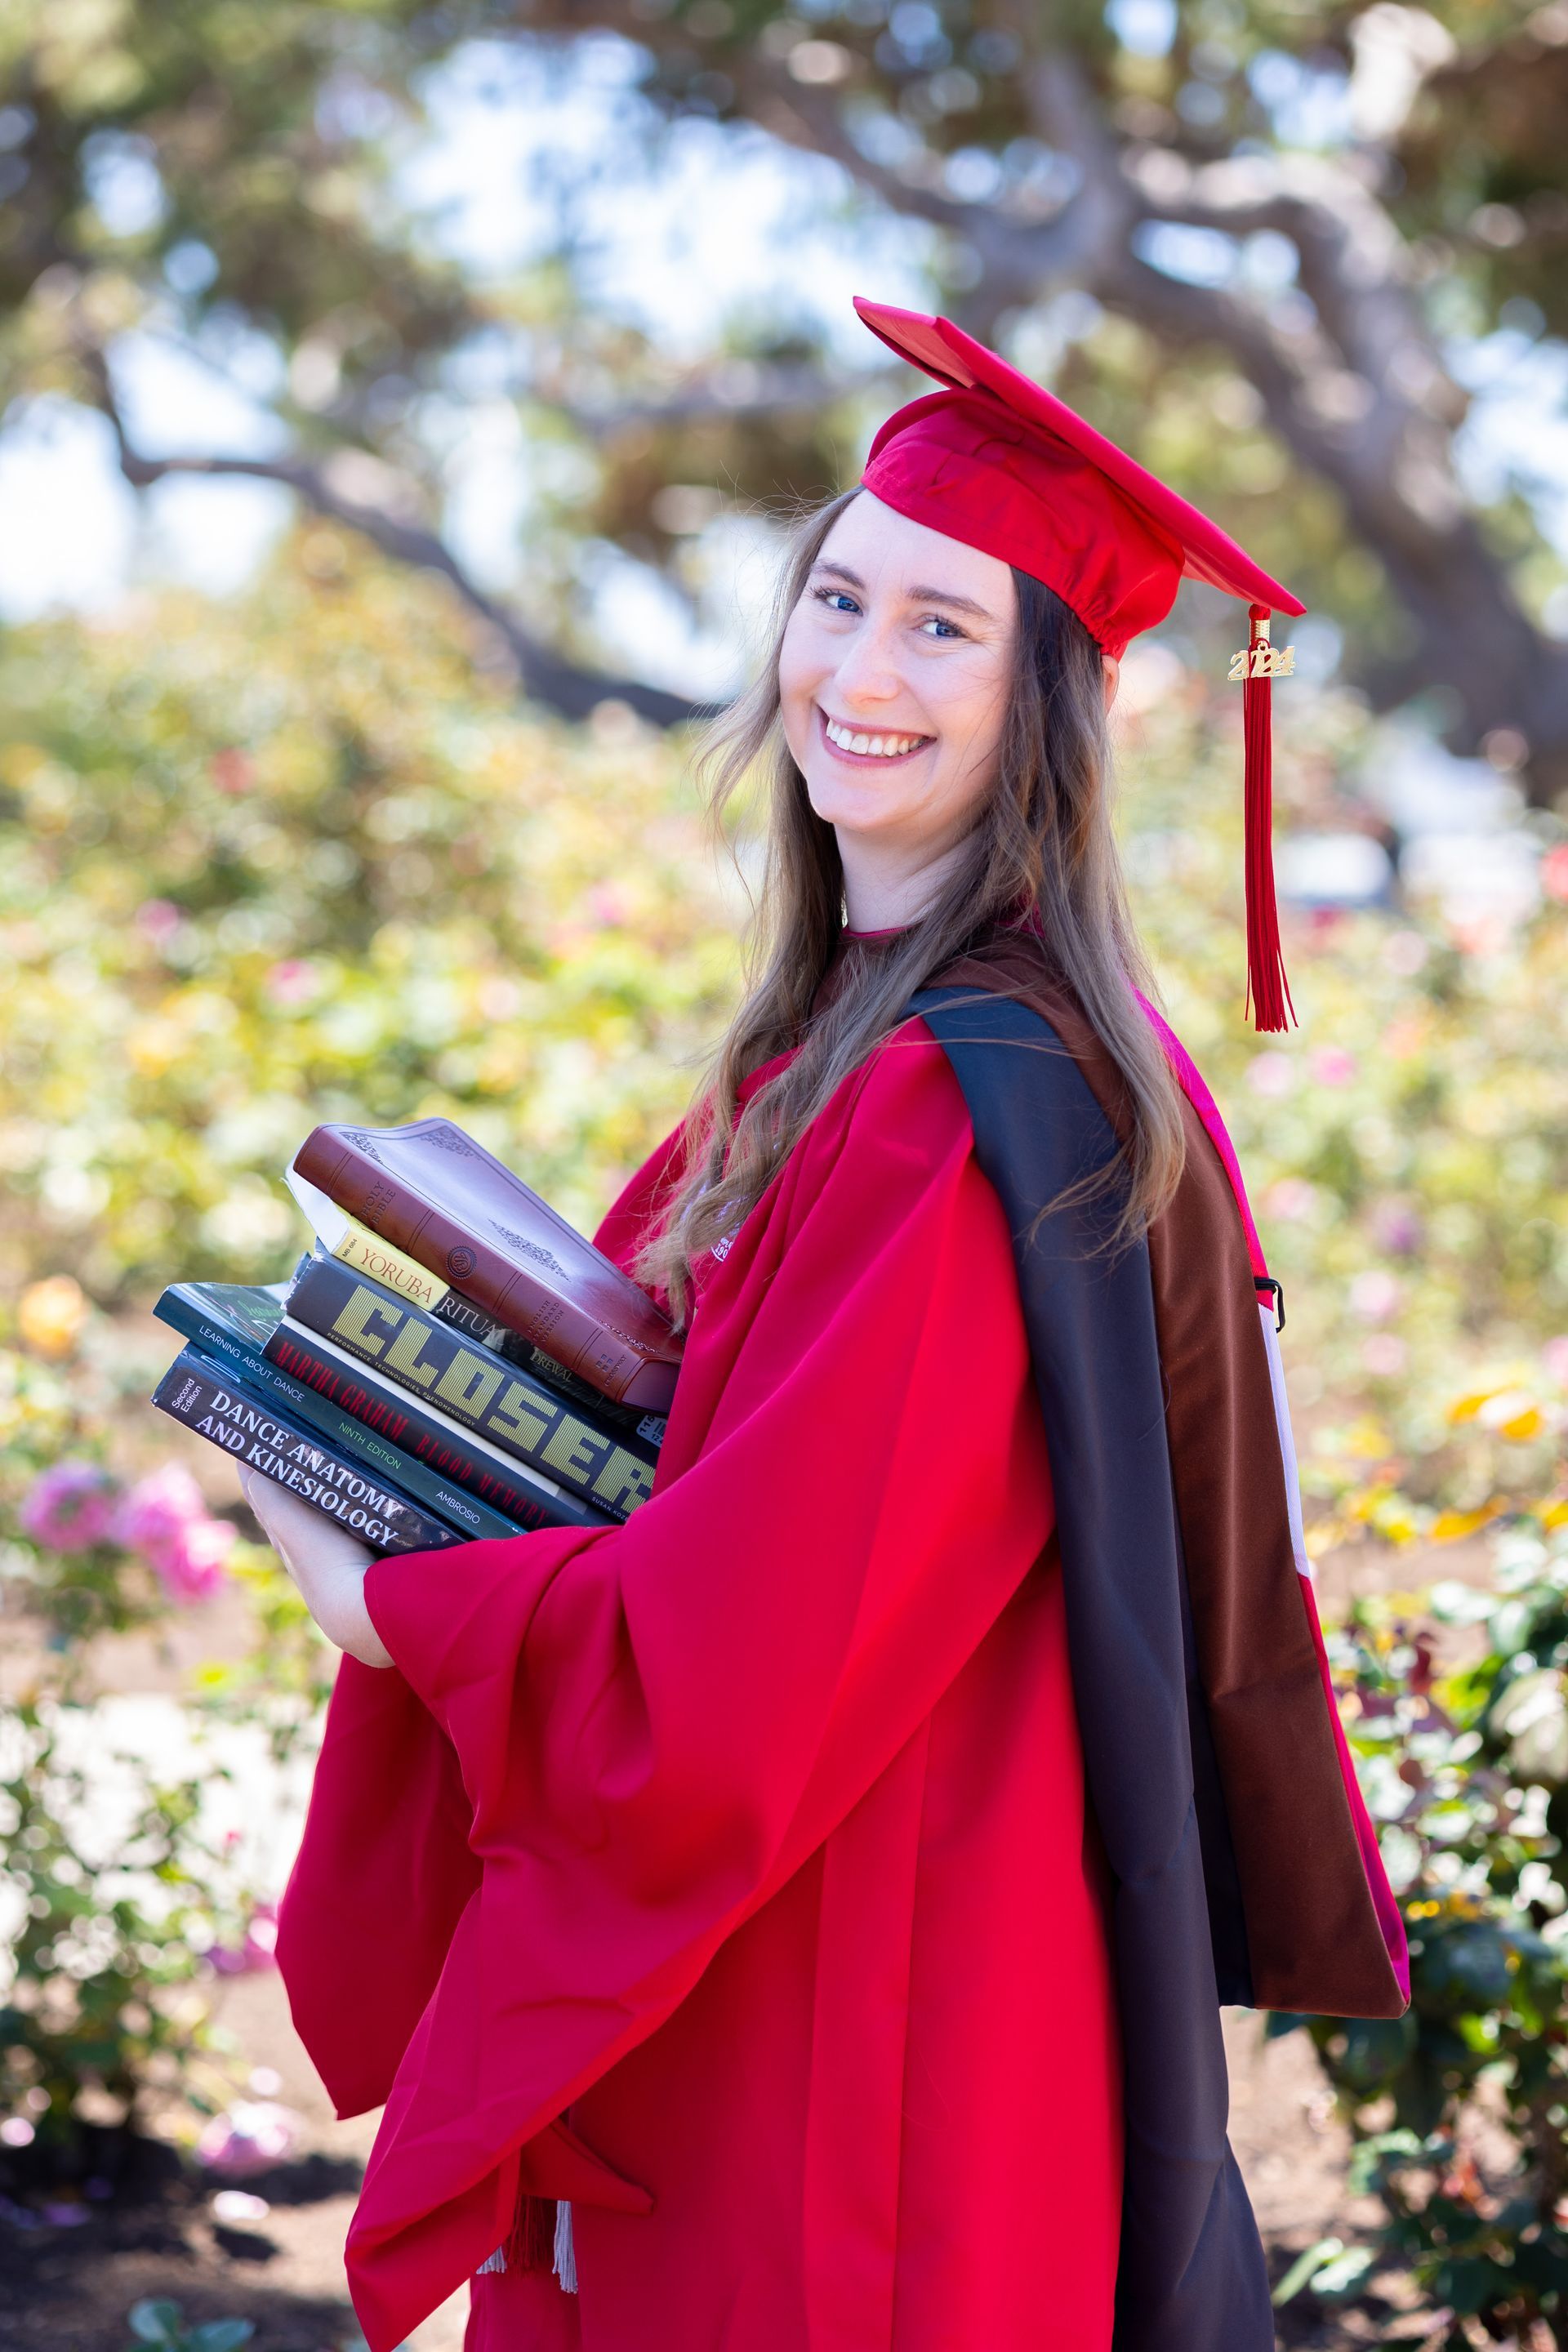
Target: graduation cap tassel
<point x="1268" y="990"/>
<point x="997" y="462"/>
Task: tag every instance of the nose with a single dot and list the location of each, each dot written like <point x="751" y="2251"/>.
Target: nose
<point x="868" y="673"/>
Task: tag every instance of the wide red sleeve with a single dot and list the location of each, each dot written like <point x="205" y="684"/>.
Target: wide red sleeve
<point x="656" y="1724"/>
<point x="385" y="1866"/>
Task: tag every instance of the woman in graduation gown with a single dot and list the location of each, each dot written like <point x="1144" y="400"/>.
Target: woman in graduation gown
<point x="796" y="1920"/>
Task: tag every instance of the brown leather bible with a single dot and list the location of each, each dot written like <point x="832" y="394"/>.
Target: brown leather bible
<point x="430" y="1189"/>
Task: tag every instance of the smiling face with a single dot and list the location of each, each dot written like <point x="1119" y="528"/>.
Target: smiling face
<point x="893" y="681"/>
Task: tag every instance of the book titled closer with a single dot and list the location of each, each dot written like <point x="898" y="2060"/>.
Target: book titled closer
<point x="451" y="1362"/>
<point x="480" y="1389"/>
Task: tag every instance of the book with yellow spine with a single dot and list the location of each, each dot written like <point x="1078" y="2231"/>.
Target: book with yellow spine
<point x="482" y="1391"/>
<point x="354" y="1245"/>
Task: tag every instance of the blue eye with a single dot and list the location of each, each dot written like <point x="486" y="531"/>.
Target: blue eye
<point x="839" y="600"/>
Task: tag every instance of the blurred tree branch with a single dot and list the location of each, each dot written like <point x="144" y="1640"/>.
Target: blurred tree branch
<point x="1052" y="153"/>
<point x="571" y="688"/>
<point x="1351" y="378"/>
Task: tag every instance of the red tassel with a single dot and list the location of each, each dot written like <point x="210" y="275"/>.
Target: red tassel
<point x="530" y="2243"/>
<point x="1268" y="990"/>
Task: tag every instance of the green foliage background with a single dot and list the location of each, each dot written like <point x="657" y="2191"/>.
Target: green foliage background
<point x="301" y="856"/>
<point x="292" y="858"/>
<point x="298" y="856"/>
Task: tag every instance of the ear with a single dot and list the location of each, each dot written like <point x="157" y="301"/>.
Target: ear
<point x="1112" y="669"/>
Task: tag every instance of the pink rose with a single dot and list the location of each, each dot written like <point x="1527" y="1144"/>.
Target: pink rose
<point x="165" y="1519"/>
<point x="1374" y="1295"/>
<point x="293" y="981"/>
<point x="70" y="1507"/>
<point x="233" y="771"/>
<point x="1332" y="1067"/>
<point x="191" y="1561"/>
<point x="251" y="2136"/>
<point x="158" y="1506"/>
<point x="1271" y="1074"/>
<point x="158" y="920"/>
<point x="257" y="1950"/>
<point x="1398" y="1228"/>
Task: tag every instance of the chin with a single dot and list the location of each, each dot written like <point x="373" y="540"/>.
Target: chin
<point x="862" y="809"/>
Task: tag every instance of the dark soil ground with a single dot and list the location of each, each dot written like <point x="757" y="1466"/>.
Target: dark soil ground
<point x="69" y="2289"/>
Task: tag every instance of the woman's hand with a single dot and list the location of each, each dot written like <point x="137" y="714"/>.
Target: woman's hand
<point x="326" y="1563"/>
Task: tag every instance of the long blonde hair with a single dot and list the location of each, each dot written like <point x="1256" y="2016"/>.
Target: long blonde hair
<point x="1041" y="842"/>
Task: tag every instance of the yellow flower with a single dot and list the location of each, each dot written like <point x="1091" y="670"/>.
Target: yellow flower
<point x="51" y="1314"/>
<point x="1512" y="1412"/>
<point x="1450" y="1526"/>
<point x="154" y="1047"/>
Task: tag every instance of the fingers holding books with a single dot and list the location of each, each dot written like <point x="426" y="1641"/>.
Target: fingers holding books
<point x="378" y="1409"/>
<point x="326" y="1563"/>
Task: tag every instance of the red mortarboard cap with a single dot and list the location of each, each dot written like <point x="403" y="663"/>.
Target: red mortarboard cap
<point x="998" y="461"/>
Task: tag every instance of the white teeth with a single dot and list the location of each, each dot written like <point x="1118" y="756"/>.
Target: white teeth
<point x="884" y="746"/>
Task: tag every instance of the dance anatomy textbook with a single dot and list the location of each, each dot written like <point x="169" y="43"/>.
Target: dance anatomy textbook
<point x="430" y="1414"/>
<point x="255" y="1431"/>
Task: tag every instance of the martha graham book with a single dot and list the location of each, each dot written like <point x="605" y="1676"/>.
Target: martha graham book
<point x="484" y="1393"/>
<point x="228" y="1324"/>
<point x="454" y="1360"/>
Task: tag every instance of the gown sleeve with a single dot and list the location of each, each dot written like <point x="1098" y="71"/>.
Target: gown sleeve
<point x="654" y="1724"/>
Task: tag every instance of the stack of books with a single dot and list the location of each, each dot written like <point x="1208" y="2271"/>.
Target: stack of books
<point x="450" y="1359"/>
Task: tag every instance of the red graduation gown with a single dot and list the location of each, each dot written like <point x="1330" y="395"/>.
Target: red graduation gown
<point x="749" y="1838"/>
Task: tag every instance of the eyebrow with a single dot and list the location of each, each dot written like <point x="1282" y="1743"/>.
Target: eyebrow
<point x="918" y="594"/>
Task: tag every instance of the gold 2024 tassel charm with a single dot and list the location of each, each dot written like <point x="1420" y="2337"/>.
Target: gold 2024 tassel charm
<point x="1268" y="990"/>
<point x="1260" y="659"/>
